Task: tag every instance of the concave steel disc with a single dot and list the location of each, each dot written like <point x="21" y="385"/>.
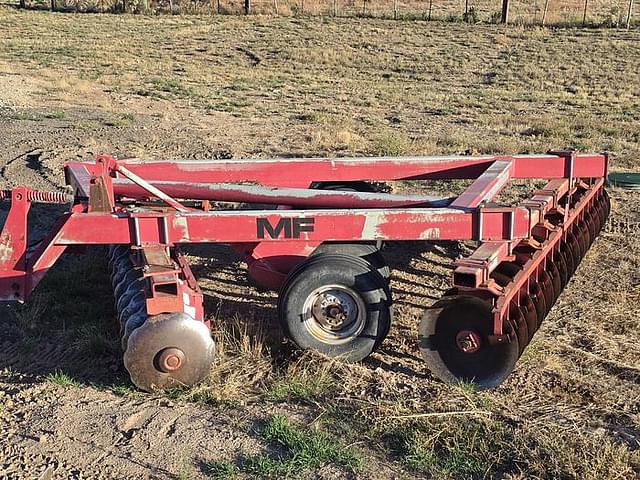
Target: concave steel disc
<point x="520" y="323"/>
<point x="590" y="224"/>
<point x="583" y="237"/>
<point x="169" y="350"/>
<point x="556" y="282"/>
<point x="563" y="270"/>
<point x="530" y="315"/>
<point x="537" y="297"/>
<point x="597" y="213"/>
<point x="573" y="248"/>
<point x="547" y="289"/>
<point x="454" y="341"/>
<point x="568" y="260"/>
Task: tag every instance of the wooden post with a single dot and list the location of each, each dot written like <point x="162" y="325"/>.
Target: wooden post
<point x="584" y="15"/>
<point x="275" y="6"/>
<point x="301" y="6"/>
<point x="466" y="7"/>
<point x="247" y="6"/>
<point x="364" y="7"/>
<point x="23" y="4"/>
<point x="629" y="12"/>
<point x="430" y="7"/>
<point x="544" y="12"/>
<point x="505" y="11"/>
<point x="171" y="6"/>
<point x="335" y="8"/>
<point x="53" y="5"/>
<point x="395" y="9"/>
<point x="218" y="5"/>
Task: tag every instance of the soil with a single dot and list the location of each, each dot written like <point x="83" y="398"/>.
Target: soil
<point x="582" y="367"/>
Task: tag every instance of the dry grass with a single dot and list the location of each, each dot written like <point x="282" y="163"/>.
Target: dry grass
<point x="360" y="86"/>
<point x="185" y="86"/>
<point x="608" y="13"/>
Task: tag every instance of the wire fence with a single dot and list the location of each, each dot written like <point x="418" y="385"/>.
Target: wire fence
<point x="604" y="13"/>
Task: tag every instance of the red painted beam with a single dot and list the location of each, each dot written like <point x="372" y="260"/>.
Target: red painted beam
<point x="486" y="186"/>
<point x="296" y="172"/>
<point x="291" y="225"/>
<point x="296" y="197"/>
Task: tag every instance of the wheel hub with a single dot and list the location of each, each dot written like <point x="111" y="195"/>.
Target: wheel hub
<point x="468" y="341"/>
<point x="170" y="359"/>
<point x="334" y="309"/>
<point x="334" y="313"/>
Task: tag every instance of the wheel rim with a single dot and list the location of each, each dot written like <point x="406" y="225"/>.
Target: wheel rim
<point x="334" y="314"/>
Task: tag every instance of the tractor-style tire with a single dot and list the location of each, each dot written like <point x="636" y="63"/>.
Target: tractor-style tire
<point x="367" y="251"/>
<point x="338" y="305"/>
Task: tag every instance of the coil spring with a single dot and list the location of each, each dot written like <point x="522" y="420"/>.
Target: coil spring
<point x="42" y="197"/>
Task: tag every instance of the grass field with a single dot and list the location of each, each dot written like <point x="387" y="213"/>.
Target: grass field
<point x="196" y="87"/>
<point x="602" y="13"/>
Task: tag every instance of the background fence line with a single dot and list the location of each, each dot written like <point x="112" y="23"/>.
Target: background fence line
<point x="607" y="13"/>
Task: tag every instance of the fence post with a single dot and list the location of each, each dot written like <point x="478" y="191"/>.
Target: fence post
<point x="23" y="4"/>
<point x="505" y="11"/>
<point x="629" y="12"/>
<point x="275" y="6"/>
<point x="218" y="7"/>
<point x="53" y="5"/>
<point x="466" y="7"/>
<point x="544" y="12"/>
<point x="247" y="6"/>
<point x="584" y="15"/>
<point x="335" y="8"/>
<point x="430" y="7"/>
<point x="395" y="9"/>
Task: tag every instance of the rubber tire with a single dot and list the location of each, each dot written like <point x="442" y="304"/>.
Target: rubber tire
<point x="367" y="251"/>
<point x="352" y="272"/>
<point x="355" y="186"/>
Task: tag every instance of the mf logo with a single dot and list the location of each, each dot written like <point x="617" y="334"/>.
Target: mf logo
<point x="292" y="227"/>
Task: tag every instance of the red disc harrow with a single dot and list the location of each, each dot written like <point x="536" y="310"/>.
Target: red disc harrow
<point x="316" y="238"/>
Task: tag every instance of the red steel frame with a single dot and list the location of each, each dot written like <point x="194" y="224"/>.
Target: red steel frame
<point x="136" y="202"/>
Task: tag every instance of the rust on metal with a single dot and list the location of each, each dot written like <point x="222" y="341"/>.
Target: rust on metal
<point x="145" y="210"/>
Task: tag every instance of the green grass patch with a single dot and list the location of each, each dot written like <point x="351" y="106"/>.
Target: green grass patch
<point x="126" y="391"/>
<point x="62" y="379"/>
<point x="298" y="389"/>
<point x="174" y="87"/>
<point x="301" y="451"/>
<point x="220" y="469"/>
<point x="28" y="117"/>
<point x="466" y="452"/>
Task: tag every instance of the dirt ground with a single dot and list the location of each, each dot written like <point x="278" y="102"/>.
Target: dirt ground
<point x="72" y="86"/>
